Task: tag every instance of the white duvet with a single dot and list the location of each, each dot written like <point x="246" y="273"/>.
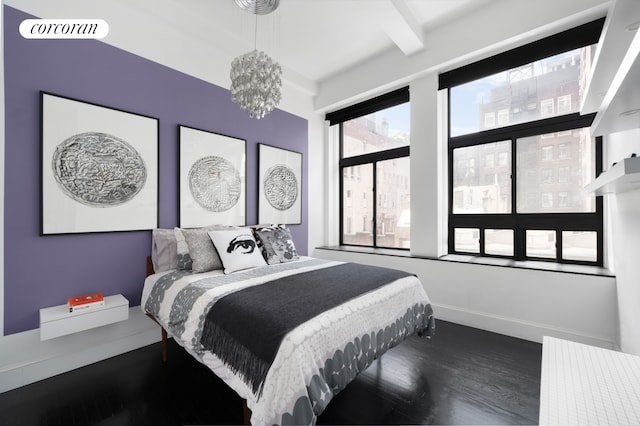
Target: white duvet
<point x="315" y="360"/>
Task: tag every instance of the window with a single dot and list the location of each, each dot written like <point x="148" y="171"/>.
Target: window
<point x="541" y="244"/>
<point x="503" y="158"/>
<point x="546" y="201"/>
<point x="374" y="146"/>
<point x="547" y="153"/>
<point x="563" y="199"/>
<point x="467" y="240"/>
<point x="503" y="117"/>
<point x="480" y="190"/>
<point x="549" y="169"/>
<point x="564" y="104"/>
<point x="488" y="160"/>
<point x="538" y="89"/>
<point x="498" y="242"/>
<point x="489" y="120"/>
<point x="516" y="180"/>
<point x="546" y="107"/>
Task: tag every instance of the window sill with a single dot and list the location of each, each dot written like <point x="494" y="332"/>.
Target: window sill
<point x="488" y="261"/>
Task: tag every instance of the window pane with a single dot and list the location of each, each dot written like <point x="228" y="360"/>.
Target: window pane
<point x="381" y="130"/>
<point x="549" y="179"/>
<point x="357" y="197"/>
<point x="480" y="184"/>
<point x="393" y="214"/>
<point x="541" y="244"/>
<point x="498" y="242"/>
<point x="544" y="88"/>
<point x="579" y="245"/>
<point x="467" y="240"/>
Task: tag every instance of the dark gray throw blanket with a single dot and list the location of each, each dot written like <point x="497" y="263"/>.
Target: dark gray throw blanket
<point x="244" y="329"/>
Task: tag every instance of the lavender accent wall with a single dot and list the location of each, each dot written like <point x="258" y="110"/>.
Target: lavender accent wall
<point x="45" y="271"/>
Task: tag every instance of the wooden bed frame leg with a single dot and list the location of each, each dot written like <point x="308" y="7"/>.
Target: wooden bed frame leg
<point x="246" y="413"/>
<point x="164" y="345"/>
<point x="164" y="338"/>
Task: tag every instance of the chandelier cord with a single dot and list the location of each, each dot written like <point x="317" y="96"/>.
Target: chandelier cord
<point x="255" y="35"/>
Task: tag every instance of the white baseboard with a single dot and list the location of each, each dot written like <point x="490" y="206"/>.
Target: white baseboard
<point x="514" y="327"/>
<point x="26" y="359"/>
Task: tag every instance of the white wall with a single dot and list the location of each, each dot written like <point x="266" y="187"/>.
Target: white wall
<point x="1" y="173"/>
<point x="428" y="166"/>
<point x="624" y="214"/>
<point x="527" y="304"/>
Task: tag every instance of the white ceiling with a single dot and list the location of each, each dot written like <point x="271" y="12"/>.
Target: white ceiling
<point x="312" y="39"/>
<point x="332" y="51"/>
<point x="320" y="38"/>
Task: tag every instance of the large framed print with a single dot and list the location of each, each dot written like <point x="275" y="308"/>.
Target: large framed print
<point x="99" y="168"/>
<point x="279" y="185"/>
<point x="212" y="175"/>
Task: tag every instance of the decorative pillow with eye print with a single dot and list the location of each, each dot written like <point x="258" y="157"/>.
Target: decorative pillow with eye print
<point x="237" y="249"/>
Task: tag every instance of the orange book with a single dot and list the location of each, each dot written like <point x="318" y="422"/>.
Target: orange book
<point x="86" y="301"/>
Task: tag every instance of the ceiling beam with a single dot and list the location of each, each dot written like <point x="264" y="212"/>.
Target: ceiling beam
<point x="403" y="28"/>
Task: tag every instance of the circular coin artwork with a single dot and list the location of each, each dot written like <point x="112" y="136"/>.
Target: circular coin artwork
<point x="215" y="183"/>
<point x="98" y="170"/>
<point x="280" y="187"/>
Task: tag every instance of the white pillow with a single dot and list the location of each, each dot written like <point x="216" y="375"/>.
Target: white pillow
<point x="237" y="249"/>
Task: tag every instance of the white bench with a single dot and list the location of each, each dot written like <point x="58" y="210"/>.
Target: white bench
<point x="587" y="385"/>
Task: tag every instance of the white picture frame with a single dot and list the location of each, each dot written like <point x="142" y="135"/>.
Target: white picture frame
<point x="212" y="179"/>
<point x="279" y="185"/>
<point x="99" y="168"/>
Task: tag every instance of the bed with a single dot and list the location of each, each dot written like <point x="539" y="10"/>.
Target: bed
<point x="286" y="333"/>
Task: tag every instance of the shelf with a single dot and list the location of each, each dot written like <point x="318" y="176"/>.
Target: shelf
<point x="622" y="177"/>
<point x="612" y="46"/>
<point x="613" y="88"/>
<point x="58" y="321"/>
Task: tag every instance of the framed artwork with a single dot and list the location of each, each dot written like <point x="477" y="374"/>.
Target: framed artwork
<point x="99" y="168"/>
<point x="279" y="185"/>
<point x="212" y="179"/>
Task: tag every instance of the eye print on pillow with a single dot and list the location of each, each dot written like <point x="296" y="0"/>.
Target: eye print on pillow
<point x="243" y="244"/>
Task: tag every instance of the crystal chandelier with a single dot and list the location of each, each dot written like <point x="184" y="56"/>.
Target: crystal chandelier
<point x="255" y="77"/>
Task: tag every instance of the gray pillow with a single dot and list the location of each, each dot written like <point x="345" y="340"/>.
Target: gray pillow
<point x="163" y="250"/>
<point x="183" y="259"/>
<point x="203" y="254"/>
<point x="201" y="250"/>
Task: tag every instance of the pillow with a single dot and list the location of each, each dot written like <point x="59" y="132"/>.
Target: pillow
<point x="163" y="249"/>
<point x="276" y="244"/>
<point x="237" y="249"/>
<point x="201" y="250"/>
<point x="183" y="260"/>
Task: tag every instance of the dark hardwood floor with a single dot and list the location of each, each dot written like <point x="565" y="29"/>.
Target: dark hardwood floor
<point x="461" y="376"/>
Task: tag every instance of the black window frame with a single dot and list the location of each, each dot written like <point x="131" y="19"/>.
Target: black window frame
<point x="578" y="37"/>
<point x="387" y="100"/>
